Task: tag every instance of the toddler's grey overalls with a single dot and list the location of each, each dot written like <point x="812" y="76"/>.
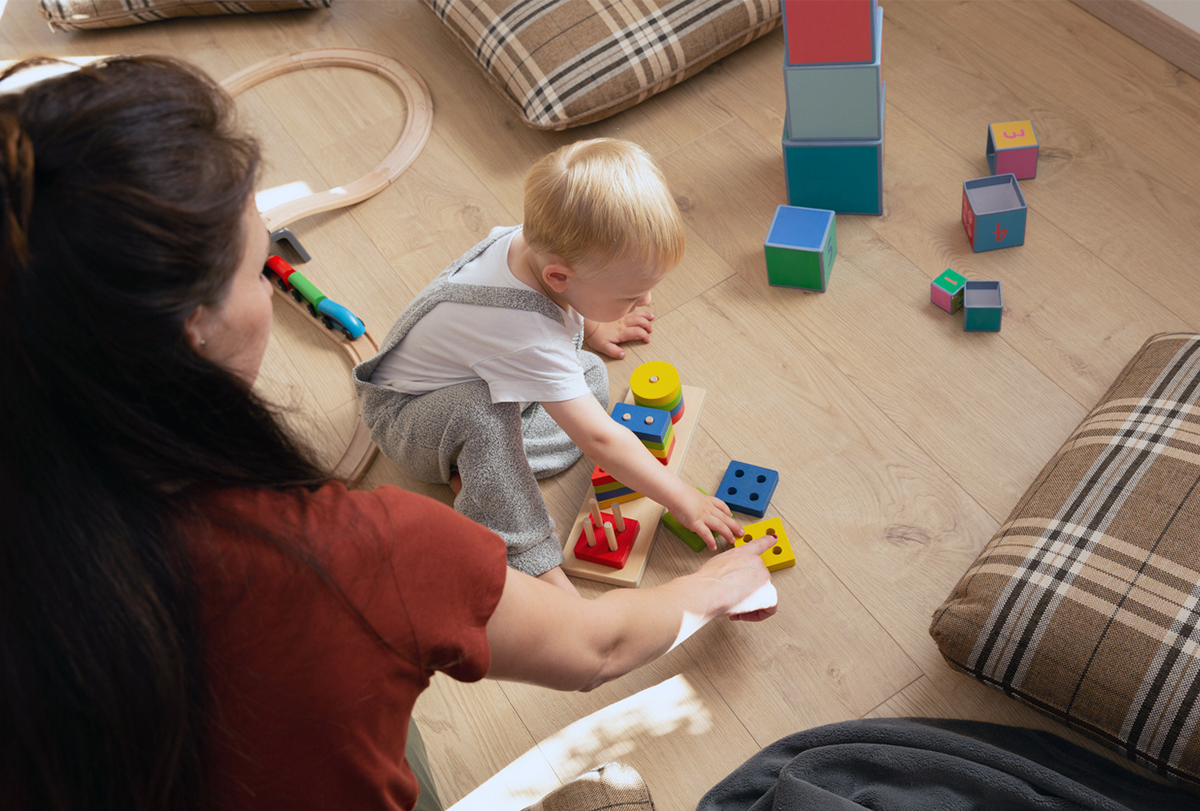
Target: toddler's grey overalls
<point x="499" y="449"/>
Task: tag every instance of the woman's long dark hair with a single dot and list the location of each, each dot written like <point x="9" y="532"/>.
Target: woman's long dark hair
<point x="122" y="192"/>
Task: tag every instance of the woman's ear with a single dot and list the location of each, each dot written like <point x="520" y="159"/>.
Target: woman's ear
<point x="193" y="328"/>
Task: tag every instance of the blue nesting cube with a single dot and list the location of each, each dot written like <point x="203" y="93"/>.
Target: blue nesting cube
<point x="800" y="247"/>
<point x="747" y="488"/>
<point x="843" y="176"/>
<point x="982" y="306"/>
<point x="993" y="212"/>
<point x="647" y="424"/>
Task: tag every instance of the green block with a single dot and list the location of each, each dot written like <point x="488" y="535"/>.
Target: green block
<point x="683" y="533"/>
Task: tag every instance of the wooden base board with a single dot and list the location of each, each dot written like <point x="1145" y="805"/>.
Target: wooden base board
<point x="1160" y="33"/>
<point x="643" y="510"/>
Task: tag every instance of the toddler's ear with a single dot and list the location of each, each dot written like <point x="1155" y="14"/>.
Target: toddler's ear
<point x="557" y="276"/>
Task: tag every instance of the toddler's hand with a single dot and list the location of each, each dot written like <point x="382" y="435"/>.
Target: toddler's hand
<point x="607" y="335"/>
<point x="705" y="515"/>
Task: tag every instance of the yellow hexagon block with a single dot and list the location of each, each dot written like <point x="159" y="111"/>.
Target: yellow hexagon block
<point x="780" y="555"/>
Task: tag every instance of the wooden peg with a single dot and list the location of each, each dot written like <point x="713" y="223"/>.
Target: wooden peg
<point x="610" y="536"/>
<point x="597" y="520"/>
<point x="590" y="533"/>
<point x="618" y="519"/>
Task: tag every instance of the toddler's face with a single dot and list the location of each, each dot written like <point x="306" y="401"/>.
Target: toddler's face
<point x="615" y="291"/>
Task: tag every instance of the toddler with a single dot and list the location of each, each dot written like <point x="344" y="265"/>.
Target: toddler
<point x="483" y="382"/>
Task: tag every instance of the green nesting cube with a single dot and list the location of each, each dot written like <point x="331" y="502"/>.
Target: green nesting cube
<point x="946" y="291"/>
<point x="800" y="247"/>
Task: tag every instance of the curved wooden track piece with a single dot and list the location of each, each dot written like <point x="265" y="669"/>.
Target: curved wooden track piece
<point x="361" y="451"/>
<point x="412" y="138"/>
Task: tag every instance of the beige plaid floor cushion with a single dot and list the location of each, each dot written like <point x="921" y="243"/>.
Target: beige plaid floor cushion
<point x="1086" y="603"/>
<point x="611" y="787"/>
<point x="78" y="15"/>
<point x="562" y="63"/>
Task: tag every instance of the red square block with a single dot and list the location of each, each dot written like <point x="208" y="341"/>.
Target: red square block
<point x="600" y="553"/>
<point x="823" y="31"/>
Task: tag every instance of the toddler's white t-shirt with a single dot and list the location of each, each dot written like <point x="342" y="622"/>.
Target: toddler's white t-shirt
<point x="523" y="356"/>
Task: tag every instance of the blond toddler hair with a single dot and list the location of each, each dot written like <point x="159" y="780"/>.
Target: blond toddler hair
<point x="601" y="202"/>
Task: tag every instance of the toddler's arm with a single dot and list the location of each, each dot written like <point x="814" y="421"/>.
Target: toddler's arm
<point x="605" y="336"/>
<point x="619" y="452"/>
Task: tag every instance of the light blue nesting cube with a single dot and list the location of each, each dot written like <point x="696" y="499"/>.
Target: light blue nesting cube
<point x="800" y="247"/>
<point x="842" y="176"/>
<point x="837" y="101"/>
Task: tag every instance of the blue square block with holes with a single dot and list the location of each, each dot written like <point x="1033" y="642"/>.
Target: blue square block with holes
<point x="647" y="424"/>
<point x="748" y="488"/>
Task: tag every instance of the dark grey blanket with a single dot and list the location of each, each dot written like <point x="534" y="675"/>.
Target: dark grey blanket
<point x="923" y="764"/>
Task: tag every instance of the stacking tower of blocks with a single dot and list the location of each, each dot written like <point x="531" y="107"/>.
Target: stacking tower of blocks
<point x="833" y="128"/>
<point x="800" y="247"/>
<point x="656" y="384"/>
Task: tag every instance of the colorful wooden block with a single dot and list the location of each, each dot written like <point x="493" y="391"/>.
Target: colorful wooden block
<point x="841" y="176"/>
<point x="600" y="553"/>
<point x="946" y="291"/>
<point x="610" y="500"/>
<point x="683" y="533"/>
<point x="655" y="384"/>
<point x="600" y="477"/>
<point x="993" y="212"/>
<point x="780" y="554"/>
<point x="817" y="31"/>
<point x="1012" y="146"/>
<point x="647" y="424"/>
<point x="613" y="488"/>
<point x="663" y="455"/>
<point x="983" y="306"/>
<point x="838" y="101"/>
<point x="748" y="488"/>
<point x="800" y="247"/>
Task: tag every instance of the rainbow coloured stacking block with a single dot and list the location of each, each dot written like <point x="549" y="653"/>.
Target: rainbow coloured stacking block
<point x="833" y="127"/>
<point x="656" y="384"/>
<point x="652" y="426"/>
<point x="609" y="491"/>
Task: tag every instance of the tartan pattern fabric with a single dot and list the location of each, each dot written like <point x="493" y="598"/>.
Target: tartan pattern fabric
<point x="611" y="787"/>
<point x="563" y="63"/>
<point x="80" y="15"/>
<point x="1086" y="602"/>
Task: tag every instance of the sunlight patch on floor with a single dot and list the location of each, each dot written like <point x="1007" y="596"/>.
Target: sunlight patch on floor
<point x="668" y="708"/>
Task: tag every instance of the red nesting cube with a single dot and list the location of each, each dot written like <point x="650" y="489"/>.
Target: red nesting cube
<point x="823" y="31"/>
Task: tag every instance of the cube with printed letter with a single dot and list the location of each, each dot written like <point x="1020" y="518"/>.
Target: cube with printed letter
<point x="993" y="212"/>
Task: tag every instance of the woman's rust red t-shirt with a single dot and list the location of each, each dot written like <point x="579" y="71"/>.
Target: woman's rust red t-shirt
<point x="310" y="700"/>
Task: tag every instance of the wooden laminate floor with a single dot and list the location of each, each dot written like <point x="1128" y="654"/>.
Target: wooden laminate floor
<point x="902" y="442"/>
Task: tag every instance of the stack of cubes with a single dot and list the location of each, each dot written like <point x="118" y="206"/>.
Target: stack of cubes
<point x="653" y="427"/>
<point x="833" y="129"/>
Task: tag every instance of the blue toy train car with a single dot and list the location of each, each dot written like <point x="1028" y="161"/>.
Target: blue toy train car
<point x="330" y="313"/>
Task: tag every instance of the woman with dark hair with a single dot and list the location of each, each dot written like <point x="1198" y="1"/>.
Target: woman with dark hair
<point x="191" y="615"/>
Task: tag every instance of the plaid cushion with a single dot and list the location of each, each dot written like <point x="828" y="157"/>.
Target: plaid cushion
<point x="1086" y="603"/>
<point x="562" y="63"/>
<point x="77" y="15"/>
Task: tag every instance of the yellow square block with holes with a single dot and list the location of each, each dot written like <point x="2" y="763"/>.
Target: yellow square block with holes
<point x="780" y="555"/>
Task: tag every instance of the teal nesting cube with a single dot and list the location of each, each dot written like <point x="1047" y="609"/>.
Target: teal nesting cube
<point x="800" y="247"/>
<point x="842" y="176"/>
<point x="982" y="306"/>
